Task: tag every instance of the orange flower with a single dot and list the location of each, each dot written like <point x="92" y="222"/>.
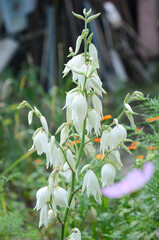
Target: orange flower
<point x="138" y="129"/>
<point x="99" y="156"/>
<point x="151" y="148"/>
<point x="152" y="119"/>
<point x="134" y="144"/>
<point x="140" y="157"/>
<point x="38" y="161"/>
<point x="131" y="147"/>
<point x="97" y="140"/>
<point x="73" y="142"/>
<point x="106" y="117"/>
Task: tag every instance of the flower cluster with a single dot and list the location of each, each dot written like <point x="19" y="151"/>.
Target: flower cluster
<point x="84" y="113"/>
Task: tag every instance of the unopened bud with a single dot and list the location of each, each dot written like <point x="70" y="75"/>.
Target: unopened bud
<point x="22" y="105"/>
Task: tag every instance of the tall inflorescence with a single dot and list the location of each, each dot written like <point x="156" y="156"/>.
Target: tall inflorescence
<point x="83" y="124"/>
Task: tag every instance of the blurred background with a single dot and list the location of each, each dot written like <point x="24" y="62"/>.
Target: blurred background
<point x="35" y="36"/>
<point x="40" y="33"/>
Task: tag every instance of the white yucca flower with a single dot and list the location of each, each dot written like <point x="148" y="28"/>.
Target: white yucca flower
<point x="64" y="134"/>
<point x="90" y="182"/>
<point x="79" y="111"/>
<point x="50" y="152"/>
<point x="114" y="158"/>
<point x="81" y="78"/>
<point x="97" y="105"/>
<point x="93" y="121"/>
<point x="44" y="124"/>
<point x="106" y="141"/>
<point x="40" y="141"/>
<point x="46" y="216"/>
<point x="67" y="171"/>
<point x="71" y="160"/>
<point x="119" y="134"/>
<point x="96" y="84"/>
<point x="108" y="173"/>
<point x="77" y="61"/>
<point x="42" y="197"/>
<point x="76" y="234"/>
<point x="89" y="149"/>
<point x="61" y="197"/>
<point x="94" y="54"/>
<point x="69" y="98"/>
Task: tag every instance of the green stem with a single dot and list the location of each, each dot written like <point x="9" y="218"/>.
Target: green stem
<point x="73" y="131"/>
<point x="79" y="152"/>
<point x="19" y="160"/>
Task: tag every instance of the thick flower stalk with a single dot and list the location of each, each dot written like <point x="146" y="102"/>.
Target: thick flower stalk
<point x="83" y="123"/>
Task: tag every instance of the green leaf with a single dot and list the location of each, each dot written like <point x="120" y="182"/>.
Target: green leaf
<point x="78" y="16"/>
<point x="93" y="17"/>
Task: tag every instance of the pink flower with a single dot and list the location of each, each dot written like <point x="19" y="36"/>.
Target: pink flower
<point x="135" y="180"/>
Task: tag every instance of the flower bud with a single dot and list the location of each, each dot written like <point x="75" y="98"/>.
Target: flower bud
<point x="30" y="117"/>
<point x="22" y="105"/>
<point x="114" y="158"/>
<point x="108" y="173"/>
<point x="93" y="53"/>
<point x="44" y="124"/>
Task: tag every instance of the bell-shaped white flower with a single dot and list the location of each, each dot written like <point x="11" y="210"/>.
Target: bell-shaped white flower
<point x="64" y="134"/>
<point x="106" y="140"/>
<point x="108" y="173"/>
<point x="44" y="124"/>
<point x="119" y="134"/>
<point x="114" y="158"/>
<point x="93" y="121"/>
<point x="96" y="84"/>
<point x="94" y="54"/>
<point x="40" y="141"/>
<point x="69" y="98"/>
<point x="42" y="197"/>
<point x="44" y="216"/>
<point x="71" y="160"/>
<point x="61" y="197"/>
<point x="97" y="105"/>
<point x="76" y="234"/>
<point x="79" y="111"/>
<point x="90" y="182"/>
<point x="50" y="152"/>
<point x="77" y="61"/>
<point x="67" y="171"/>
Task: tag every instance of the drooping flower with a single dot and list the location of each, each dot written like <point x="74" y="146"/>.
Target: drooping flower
<point x="135" y="180"/>
<point x="42" y="197"/>
<point x="61" y="197"/>
<point x="94" y="54"/>
<point x="76" y="234"/>
<point x="44" y="124"/>
<point x="79" y="111"/>
<point x="90" y="182"/>
<point x="108" y="173"/>
<point x="114" y="158"/>
<point x="67" y="171"/>
<point x="93" y="121"/>
<point x="40" y="141"/>
<point x="46" y="216"/>
<point x="97" y="104"/>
